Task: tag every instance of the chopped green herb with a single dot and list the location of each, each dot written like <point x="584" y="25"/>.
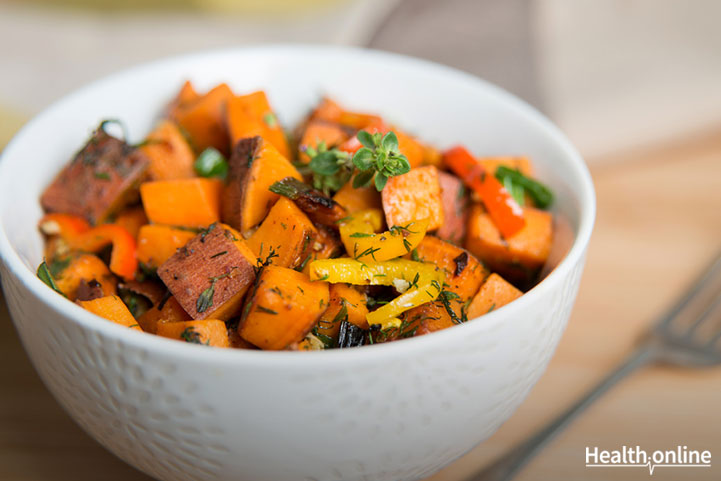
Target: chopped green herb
<point x="211" y="163"/>
<point x="361" y="234"/>
<point x="218" y="254"/>
<point x="101" y="175"/>
<point x="270" y="120"/>
<point x="415" y="256"/>
<point x="541" y="195"/>
<point x="205" y="300"/>
<point x="44" y="275"/>
<point x="266" y="310"/>
<point x="192" y="336"/>
<point x="380" y="158"/>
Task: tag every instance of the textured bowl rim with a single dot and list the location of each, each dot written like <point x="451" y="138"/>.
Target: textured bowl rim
<point x="579" y="171"/>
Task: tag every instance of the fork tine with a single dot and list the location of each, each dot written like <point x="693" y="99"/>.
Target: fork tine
<point x="696" y="288"/>
<point x="704" y="316"/>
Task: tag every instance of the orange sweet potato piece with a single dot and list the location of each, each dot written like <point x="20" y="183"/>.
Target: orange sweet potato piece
<point x="251" y="115"/>
<point x="168" y="311"/>
<point x="494" y="293"/>
<point x="414" y="196"/>
<point x="519" y="257"/>
<point x="455" y="208"/>
<point x="204" y="119"/>
<point x="318" y="131"/>
<point x="182" y="202"/>
<point x="429" y="317"/>
<point x="157" y="243"/>
<point x="186" y="95"/>
<point x="330" y="111"/>
<point x="100" y="180"/>
<point x="85" y="268"/>
<point x="343" y="296"/>
<point x="209" y="332"/>
<point x="210" y="275"/>
<point x="464" y="273"/>
<point x="520" y="163"/>
<point x="410" y="147"/>
<point x="113" y="309"/>
<point x="253" y="167"/>
<point x="169" y="152"/>
<point x="131" y="219"/>
<point x="355" y="200"/>
<point x="282" y="309"/>
<point x="326" y="245"/>
<point x="287" y="231"/>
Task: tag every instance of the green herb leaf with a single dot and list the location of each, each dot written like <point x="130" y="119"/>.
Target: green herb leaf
<point x="362" y="179"/>
<point x="270" y="120"/>
<point x="390" y="142"/>
<point x="205" y="299"/>
<point x="192" y="336"/>
<point x="380" y="181"/>
<point x="101" y="175"/>
<point x="325" y="163"/>
<point x="366" y="138"/>
<point x="360" y="234"/>
<point x="211" y="163"/>
<point x="363" y="158"/>
<point x="44" y="275"/>
<point x="541" y="195"/>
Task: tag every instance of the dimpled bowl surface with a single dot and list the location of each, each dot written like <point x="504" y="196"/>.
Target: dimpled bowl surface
<point x="391" y="412"/>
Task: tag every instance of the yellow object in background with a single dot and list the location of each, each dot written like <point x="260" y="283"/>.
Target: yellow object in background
<point x="10" y="123"/>
<point x="245" y="6"/>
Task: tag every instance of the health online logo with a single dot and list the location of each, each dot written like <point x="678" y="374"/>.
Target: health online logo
<point x="634" y="457"/>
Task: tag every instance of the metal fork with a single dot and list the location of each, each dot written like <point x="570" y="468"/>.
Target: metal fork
<point x="684" y="336"/>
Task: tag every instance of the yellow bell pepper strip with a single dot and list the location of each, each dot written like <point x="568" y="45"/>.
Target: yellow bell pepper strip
<point x="419" y="282"/>
<point x="362" y="242"/>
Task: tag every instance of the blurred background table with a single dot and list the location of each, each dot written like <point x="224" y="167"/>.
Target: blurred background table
<point x="634" y="84"/>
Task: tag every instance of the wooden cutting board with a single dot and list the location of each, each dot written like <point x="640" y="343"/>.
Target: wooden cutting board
<point x="659" y="222"/>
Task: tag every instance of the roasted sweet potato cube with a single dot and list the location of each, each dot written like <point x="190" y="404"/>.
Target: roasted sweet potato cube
<point x="113" y="309"/>
<point x="520" y="163"/>
<point x="282" y="309"/>
<point x="253" y="167"/>
<point x="345" y="303"/>
<point x="464" y="273"/>
<point x="208" y="332"/>
<point x="171" y="157"/>
<point x="355" y="200"/>
<point x="250" y="115"/>
<point x="427" y="318"/>
<point x="519" y="257"/>
<point x="72" y="271"/>
<point x="168" y="311"/>
<point x="285" y="237"/>
<point x="320" y="131"/>
<point x="455" y="208"/>
<point x="210" y="275"/>
<point x="182" y="202"/>
<point x="157" y="243"/>
<point x="203" y="118"/>
<point x="100" y="180"/>
<point x="326" y="245"/>
<point x="414" y="196"/>
<point x="494" y="293"/>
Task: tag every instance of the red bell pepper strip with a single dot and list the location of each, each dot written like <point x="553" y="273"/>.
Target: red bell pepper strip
<point x="64" y="225"/>
<point x="76" y="232"/>
<point x="505" y="212"/>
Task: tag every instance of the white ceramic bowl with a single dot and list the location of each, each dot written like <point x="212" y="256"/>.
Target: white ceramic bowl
<point x="391" y="412"/>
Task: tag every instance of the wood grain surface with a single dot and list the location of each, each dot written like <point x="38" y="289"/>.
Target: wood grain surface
<point x="659" y="222"/>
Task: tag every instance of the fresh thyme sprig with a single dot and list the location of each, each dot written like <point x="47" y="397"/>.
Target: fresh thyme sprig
<point x="378" y="160"/>
<point x="379" y="156"/>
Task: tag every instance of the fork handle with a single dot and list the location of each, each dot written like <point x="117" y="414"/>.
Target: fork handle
<point x="508" y="465"/>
